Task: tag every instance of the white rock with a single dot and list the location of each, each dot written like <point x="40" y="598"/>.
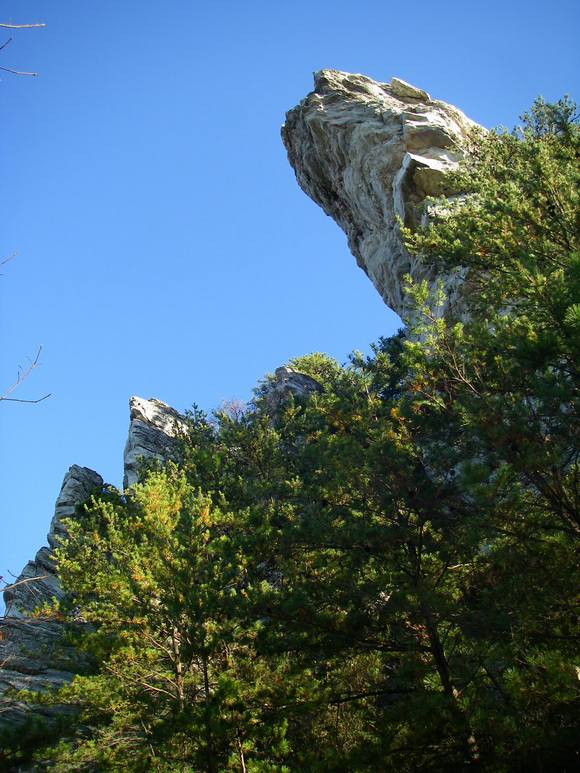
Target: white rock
<point x="403" y="89"/>
<point x="369" y="153"/>
<point x="152" y="435"/>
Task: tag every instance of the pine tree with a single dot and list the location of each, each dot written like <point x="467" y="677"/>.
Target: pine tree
<point x="157" y="581"/>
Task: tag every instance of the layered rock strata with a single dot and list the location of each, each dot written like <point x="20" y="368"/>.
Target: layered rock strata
<point x="32" y="655"/>
<point x="153" y="431"/>
<point x="369" y="154"/>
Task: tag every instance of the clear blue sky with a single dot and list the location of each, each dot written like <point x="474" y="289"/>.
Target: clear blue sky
<point x="165" y="248"/>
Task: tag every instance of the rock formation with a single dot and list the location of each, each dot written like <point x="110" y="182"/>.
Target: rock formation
<point x="38" y="584"/>
<point x="369" y="153"/>
<point x="31" y="653"/>
<point x="152" y="433"/>
<point x="288" y="382"/>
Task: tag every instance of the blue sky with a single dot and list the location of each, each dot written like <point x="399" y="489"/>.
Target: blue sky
<point x="165" y="249"/>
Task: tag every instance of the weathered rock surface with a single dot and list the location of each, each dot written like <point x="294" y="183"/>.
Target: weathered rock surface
<point x="32" y="655"/>
<point x="152" y="435"/>
<point x="38" y="584"/>
<point x="369" y="153"/>
<point x="288" y="382"/>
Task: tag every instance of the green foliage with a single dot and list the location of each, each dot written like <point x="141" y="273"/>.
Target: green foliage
<point x="157" y="585"/>
<point x="385" y="577"/>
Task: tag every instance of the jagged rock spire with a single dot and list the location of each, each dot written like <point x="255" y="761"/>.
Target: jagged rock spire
<point x="152" y="435"/>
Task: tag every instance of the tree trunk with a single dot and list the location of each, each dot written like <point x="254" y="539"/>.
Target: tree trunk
<point x="208" y="729"/>
<point x="461" y="721"/>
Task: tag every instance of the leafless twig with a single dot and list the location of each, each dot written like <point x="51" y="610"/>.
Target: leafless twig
<point x="21" y="582"/>
<point x="21" y="400"/>
<point x="18" y="72"/>
<point x="3" y="262"/>
<point x="11" y="26"/>
<point x="22" y="374"/>
<point x="21" y="26"/>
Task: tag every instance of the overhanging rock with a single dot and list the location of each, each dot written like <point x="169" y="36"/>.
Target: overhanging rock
<point x="369" y="153"/>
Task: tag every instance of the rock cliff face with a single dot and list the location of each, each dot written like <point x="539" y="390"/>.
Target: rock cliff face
<point x="369" y="153"/>
<point x="31" y="654"/>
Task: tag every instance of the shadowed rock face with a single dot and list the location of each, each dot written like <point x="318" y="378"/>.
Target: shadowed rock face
<point x="32" y="654"/>
<point x="369" y="153"/>
<point x="38" y="584"/>
<point x="288" y="383"/>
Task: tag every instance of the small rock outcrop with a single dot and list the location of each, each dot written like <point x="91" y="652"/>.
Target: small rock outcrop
<point x="152" y="435"/>
<point x="369" y="153"/>
<point x="288" y="382"/>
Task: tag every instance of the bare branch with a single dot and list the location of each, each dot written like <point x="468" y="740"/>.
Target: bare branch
<point x="21" y="26"/>
<point x="22" y="374"/>
<point x="18" y="72"/>
<point x="21" y="582"/>
<point x="2" y="262"/>
<point x="20" y="400"/>
<point x="5" y="44"/>
<point x="18" y="27"/>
